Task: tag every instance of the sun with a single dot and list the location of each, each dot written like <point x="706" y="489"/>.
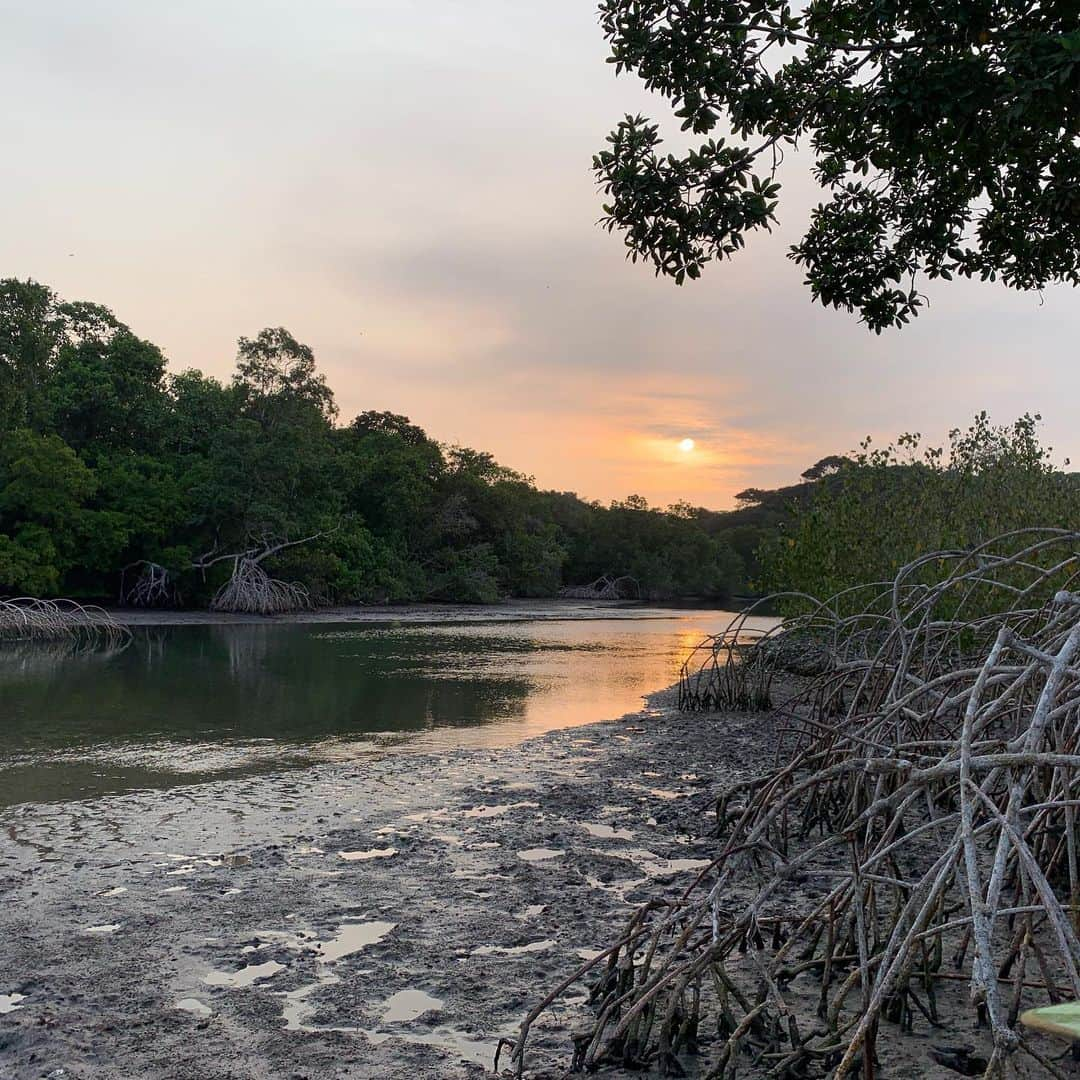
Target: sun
<point x="686" y="445"/>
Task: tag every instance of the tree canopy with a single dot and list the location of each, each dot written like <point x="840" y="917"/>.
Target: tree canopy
<point x="114" y="471"/>
<point x="946" y="136"/>
<point x="884" y="507"/>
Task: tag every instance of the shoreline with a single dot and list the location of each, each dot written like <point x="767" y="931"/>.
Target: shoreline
<point x="292" y="924"/>
<point x="503" y="611"/>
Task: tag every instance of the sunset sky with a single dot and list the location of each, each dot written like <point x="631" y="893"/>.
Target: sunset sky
<point x="405" y="185"/>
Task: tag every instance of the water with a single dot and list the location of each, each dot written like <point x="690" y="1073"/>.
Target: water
<point x="189" y="703"/>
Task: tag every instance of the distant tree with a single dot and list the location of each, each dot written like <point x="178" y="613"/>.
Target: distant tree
<point x="274" y="369"/>
<point x="825" y="467"/>
<point x="388" y="423"/>
<point x="44" y="489"/>
<point x="30" y="333"/>
<point x="682" y="509"/>
<point x="481" y="466"/>
<point x="750" y="497"/>
<point x="946" y="134"/>
<point x="106" y="390"/>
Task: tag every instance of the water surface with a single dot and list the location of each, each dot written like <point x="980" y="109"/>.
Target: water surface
<point x="188" y="703"/>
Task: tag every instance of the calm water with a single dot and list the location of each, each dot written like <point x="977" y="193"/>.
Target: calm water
<point x="189" y="703"/>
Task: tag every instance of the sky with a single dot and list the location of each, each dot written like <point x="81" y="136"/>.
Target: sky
<point x="405" y="186"/>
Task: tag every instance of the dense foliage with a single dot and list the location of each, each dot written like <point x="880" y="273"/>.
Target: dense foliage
<point x="110" y="466"/>
<point x="879" y="510"/>
<point x="946" y="135"/>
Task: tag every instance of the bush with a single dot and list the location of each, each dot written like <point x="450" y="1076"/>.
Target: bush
<point x="886" y="507"/>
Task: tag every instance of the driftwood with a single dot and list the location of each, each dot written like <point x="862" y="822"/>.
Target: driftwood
<point x="920" y="829"/>
<point x="250" y="589"/>
<point x="29" y="619"/>
<point x="604" y="588"/>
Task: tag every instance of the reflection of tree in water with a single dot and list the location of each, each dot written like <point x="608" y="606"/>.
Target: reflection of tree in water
<point x="21" y="660"/>
<point x="151" y="642"/>
<point x="245" y="646"/>
<point x="287" y="682"/>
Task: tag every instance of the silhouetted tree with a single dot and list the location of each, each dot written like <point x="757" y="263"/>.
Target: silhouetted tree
<point x="947" y="136"/>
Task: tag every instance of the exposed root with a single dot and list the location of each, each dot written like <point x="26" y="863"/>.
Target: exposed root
<point x="151" y="587"/>
<point x="921" y="829"/>
<point x="29" y="619"/>
<point x="251" y="590"/>
<point x="604" y="588"/>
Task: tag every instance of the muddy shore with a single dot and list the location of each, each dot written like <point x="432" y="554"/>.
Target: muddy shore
<point x="392" y="917"/>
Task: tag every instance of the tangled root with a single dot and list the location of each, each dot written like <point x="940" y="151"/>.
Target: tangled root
<point x="920" y="831"/>
<point x="152" y="587"/>
<point x="30" y="619"/>
<point x="604" y="588"/>
<point x="251" y="590"/>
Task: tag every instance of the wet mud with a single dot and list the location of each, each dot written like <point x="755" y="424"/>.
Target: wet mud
<point x="391" y="917"/>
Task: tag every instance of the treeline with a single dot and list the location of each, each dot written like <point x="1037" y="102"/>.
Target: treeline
<point x="863" y="517"/>
<point x="120" y="479"/>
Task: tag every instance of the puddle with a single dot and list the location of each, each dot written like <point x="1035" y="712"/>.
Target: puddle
<point x="513" y="950"/>
<point x="496" y="811"/>
<point x="114" y="892"/>
<point x="310" y="851"/>
<point x="195" y="1006"/>
<point x="10" y="1002"/>
<point x="656" y="866"/>
<point x="352" y="937"/>
<point x="457" y="1042"/>
<point x="174" y="889"/>
<point x="246" y="976"/>
<point x="532" y="911"/>
<point x="296" y="1010"/>
<point x="448" y="838"/>
<point x="661" y="793"/>
<point x="675" y="866"/>
<point x="427" y="815"/>
<point x="606" y="832"/>
<point x="407" y="1005"/>
<point x="106" y="928"/>
<point x="539" y="854"/>
<point x="374" y="853"/>
<point x="265" y="938"/>
<point x="617" y="889"/>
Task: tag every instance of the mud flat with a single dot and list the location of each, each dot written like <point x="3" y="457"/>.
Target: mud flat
<point x="392" y="917"/>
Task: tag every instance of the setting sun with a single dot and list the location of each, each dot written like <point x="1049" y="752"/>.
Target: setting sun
<point x="686" y="445"/>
